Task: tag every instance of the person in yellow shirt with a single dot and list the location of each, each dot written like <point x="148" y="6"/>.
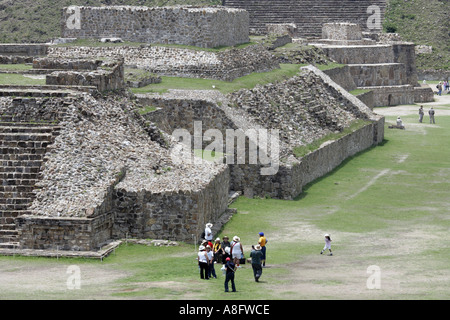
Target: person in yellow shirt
<point x="263" y="242"/>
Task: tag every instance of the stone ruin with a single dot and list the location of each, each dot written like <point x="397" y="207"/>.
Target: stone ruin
<point x="81" y="168"/>
<point x="386" y="68"/>
<point x="205" y="27"/>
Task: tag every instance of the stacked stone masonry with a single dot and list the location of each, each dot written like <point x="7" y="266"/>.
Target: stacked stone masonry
<point x="222" y="65"/>
<point x="24" y="144"/>
<point x="206" y="27"/>
<point x="308" y="15"/>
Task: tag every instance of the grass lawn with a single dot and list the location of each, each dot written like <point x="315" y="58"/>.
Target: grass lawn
<point x="385" y="207"/>
<point x="246" y="82"/>
<point x="19" y="79"/>
<point x="15" y="67"/>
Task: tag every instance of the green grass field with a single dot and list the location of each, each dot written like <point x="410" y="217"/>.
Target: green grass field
<point x="386" y="207"/>
<point x="246" y="82"/>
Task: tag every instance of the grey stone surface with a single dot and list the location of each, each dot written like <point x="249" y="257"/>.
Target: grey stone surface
<point x="207" y="27"/>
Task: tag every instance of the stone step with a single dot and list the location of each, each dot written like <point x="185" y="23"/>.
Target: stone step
<point x="21" y="157"/>
<point x="17" y="164"/>
<point x="309" y="16"/>
<point x="24" y="144"/>
<point x="18" y="176"/>
<point x="33" y="93"/>
<point x="16" y="189"/>
<point x="25" y="136"/>
<point x="24" y="125"/>
<point x="8" y="233"/>
<point x="17" y="150"/>
<point x="9" y="245"/>
<point x="14" y="195"/>
<point x="15" y="201"/>
<point x="8" y="216"/>
<point x="11" y="118"/>
<point x="16" y="127"/>
<point x="22" y="182"/>
<point x="15" y="207"/>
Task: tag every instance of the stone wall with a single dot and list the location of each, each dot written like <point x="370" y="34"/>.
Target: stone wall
<point x="404" y="52"/>
<point x="386" y="74"/>
<point x="423" y="94"/>
<point x="170" y="215"/>
<point x="342" y="76"/>
<point x="50" y="233"/>
<point x="360" y="54"/>
<point x="197" y="26"/>
<point x="66" y="64"/>
<point x="433" y="75"/>
<point x="221" y="65"/>
<point x="385" y="96"/>
<point x="366" y="98"/>
<point x="103" y="79"/>
<point x="24" y="49"/>
<point x="341" y="31"/>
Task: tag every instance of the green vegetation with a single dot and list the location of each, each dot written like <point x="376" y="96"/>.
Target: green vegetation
<point x="357" y="92"/>
<point x="423" y="22"/>
<point x="15" y="67"/>
<point x="146" y="109"/>
<point x="302" y="151"/>
<point x="246" y="82"/>
<point x="329" y="66"/>
<point x="19" y="79"/>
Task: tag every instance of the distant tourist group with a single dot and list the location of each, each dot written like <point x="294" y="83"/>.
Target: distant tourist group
<point x="230" y="255"/>
<point x="443" y="86"/>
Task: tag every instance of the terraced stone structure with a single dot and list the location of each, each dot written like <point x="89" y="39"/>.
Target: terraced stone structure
<point x="387" y="68"/>
<point x="82" y="169"/>
<point x="308" y="15"/>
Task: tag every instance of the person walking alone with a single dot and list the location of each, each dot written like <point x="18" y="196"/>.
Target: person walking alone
<point x="263" y="243"/>
<point x="327" y="244"/>
<point x="256" y="256"/>
<point x="230" y="269"/>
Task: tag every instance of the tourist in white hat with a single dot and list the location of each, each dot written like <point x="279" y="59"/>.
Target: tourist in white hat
<point x="256" y="255"/>
<point x="237" y="251"/>
<point x="202" y="258"/>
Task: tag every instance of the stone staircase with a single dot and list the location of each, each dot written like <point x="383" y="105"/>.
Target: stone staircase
<point x="309" y="16"/>
<point x="22" y="150"/>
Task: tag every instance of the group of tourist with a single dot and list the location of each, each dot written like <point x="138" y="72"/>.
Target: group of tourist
<point x="443" y="86"/>
<point x="431" y="113"/>
<point x="231" y="255"/>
